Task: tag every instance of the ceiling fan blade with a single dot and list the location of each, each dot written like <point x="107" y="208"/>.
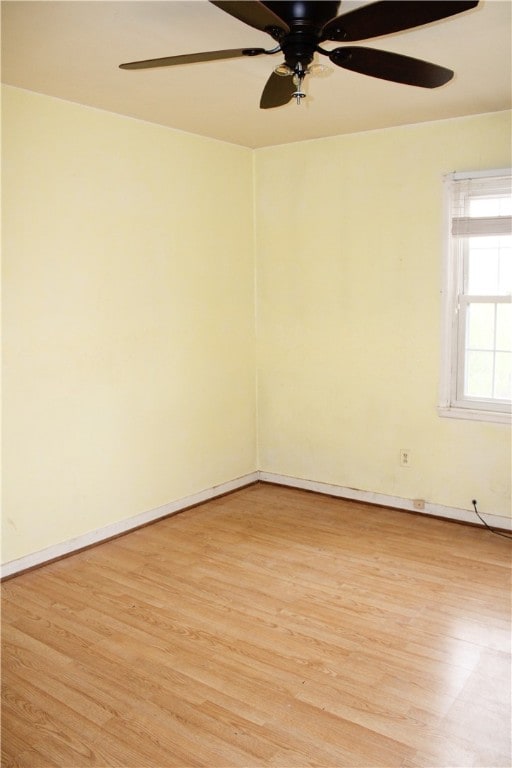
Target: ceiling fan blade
<point x="277" y="91"/>
<point x="192" y="58"/>
<point x="255" y="14"/>
<point x="390" y="66"/>
<point x="387" y="16"/>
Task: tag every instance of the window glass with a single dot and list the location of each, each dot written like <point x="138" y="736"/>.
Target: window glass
<point x="490" y="206"/>
<point x="479" y="374"/>
<point x="504" y="328"/>
<point x="489" y="265"/>
<point x="503" y="375"/>
<point x="505" y="266"/>
<point x="480" y="326"/>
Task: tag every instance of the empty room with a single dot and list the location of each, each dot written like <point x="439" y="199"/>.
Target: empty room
<point x="257" y="374"/>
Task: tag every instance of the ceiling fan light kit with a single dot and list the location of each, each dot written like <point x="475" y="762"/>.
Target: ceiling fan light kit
<point x="299" y="27"/>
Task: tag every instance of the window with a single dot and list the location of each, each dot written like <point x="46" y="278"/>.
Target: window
<point x="476" y="373"/>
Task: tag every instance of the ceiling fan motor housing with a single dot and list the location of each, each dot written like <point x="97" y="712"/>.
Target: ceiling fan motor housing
<point x="310" y="11"/>
<point x="306" y="21"/>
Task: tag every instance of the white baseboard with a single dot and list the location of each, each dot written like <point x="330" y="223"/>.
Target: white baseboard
<point x="124" y="526"/>
<point x="384" y="500"/>
<point x="64" y="548"/>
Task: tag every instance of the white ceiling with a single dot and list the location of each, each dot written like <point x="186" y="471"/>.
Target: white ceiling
<point x="71" y="49"/>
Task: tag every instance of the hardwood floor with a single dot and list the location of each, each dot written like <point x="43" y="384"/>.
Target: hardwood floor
<point x="271" y="627"/>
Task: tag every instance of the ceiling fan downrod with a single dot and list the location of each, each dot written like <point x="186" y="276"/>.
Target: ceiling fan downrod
<point x="298" y="80"/>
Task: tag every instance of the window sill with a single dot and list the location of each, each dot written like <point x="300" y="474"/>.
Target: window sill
<point x="474" y="414"/>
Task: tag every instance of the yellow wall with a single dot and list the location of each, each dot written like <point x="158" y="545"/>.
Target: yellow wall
<point x="349" y="275"/>
<point x="129" y="349"/>
<point x="128" y="318"/>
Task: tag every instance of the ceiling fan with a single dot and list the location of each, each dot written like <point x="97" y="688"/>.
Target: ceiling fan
<point x="299" y="27"/>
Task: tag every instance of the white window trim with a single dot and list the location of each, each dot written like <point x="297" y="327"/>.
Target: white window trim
<point x="449" y="403"/>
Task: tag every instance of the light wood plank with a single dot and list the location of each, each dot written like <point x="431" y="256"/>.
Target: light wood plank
<point x="269" y="627"/>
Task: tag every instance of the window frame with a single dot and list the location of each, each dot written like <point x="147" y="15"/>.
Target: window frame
<point x="452" y="401"/>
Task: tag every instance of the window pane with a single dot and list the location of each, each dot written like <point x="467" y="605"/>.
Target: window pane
<point x="503" y="376"/>
<point x="479" y="374"/>
<point x="490" y="241"/>
<point x="490" y="206"/>
<point x="504" y="327"/>
<point x="480" y="326"/>
<point x="483" y="270"/>
<point x="505" y="271"/>
<point x="489" y="265"/>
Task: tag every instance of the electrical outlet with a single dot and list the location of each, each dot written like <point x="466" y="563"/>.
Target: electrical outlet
<point x="405" y="457"/>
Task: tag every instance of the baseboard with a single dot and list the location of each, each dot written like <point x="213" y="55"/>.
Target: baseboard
<point x="56" y="551"/>
<point x="100" y="535"/>
<point x="384" y="500"/>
